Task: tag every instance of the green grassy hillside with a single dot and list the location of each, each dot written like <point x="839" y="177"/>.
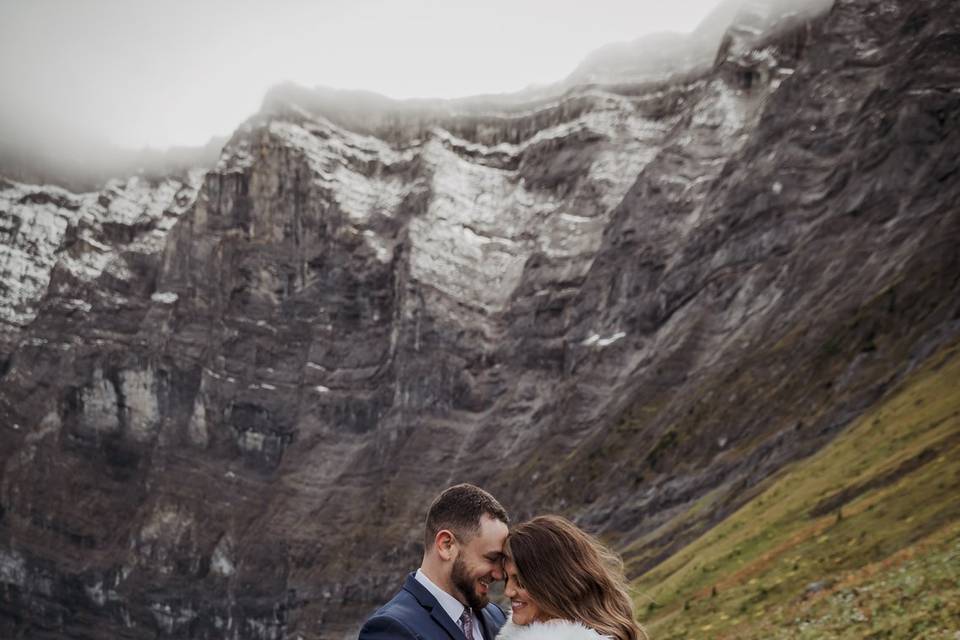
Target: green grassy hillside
<point x="861" y="540"/>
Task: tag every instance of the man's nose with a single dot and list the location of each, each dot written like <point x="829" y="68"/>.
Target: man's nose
<point x="497" y="573"/>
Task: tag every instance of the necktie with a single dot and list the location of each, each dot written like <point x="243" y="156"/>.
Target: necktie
<point x="466" y="623"/>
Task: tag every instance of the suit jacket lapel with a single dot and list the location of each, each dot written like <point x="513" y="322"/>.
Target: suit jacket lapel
<point x="485" y="624"/>
<point x="428" y="602"/>
<point x="438" y="614"/>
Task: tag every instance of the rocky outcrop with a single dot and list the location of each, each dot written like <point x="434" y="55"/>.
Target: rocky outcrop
<point x="55" y="242"/>
<point x="227" y="398"/>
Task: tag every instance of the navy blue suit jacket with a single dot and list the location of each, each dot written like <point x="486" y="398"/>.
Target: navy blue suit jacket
<point x="415" y="614"/>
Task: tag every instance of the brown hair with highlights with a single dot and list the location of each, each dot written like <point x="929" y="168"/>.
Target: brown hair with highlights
<point x="572" y="576"/>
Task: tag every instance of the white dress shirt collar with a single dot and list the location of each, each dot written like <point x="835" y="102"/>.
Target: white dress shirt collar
<point x="451" y="606"/>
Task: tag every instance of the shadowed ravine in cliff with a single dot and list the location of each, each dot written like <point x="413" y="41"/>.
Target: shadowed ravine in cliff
<point x="228" y="395"/>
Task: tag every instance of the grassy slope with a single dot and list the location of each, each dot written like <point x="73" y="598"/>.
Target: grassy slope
<point x="862" y="540"/>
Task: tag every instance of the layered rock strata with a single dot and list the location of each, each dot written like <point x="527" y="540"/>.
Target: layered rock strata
<point x="227" y="398"/>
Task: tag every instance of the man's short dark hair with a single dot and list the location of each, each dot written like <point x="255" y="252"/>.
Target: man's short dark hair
<point x="459" y="510"/>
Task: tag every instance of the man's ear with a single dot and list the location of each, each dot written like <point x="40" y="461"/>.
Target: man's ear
<point x="446" y="545"/>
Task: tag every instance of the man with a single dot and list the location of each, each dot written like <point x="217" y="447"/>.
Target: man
<point x="447" y="598"/>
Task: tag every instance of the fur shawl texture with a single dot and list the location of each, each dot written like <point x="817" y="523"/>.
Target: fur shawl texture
<point x="550" y="630"/>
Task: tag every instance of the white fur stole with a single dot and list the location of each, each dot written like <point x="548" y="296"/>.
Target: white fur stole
<point x="550" y="630"/>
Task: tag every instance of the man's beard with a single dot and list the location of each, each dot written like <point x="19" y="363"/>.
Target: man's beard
<point x="467" y="586"/>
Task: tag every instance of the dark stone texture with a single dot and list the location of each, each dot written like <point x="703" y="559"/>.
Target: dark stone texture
<point x="229" y="397"/>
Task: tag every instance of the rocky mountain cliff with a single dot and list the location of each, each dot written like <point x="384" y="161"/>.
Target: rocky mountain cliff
<point x="228" y="395"/>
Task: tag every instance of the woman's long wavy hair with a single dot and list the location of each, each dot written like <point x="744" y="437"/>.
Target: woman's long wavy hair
<point x="571" y="576"/>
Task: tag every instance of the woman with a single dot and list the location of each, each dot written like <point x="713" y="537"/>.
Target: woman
<point x="564" y="585"/>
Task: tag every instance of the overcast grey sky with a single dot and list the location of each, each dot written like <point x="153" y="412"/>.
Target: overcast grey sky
<point x="176" y="73"/>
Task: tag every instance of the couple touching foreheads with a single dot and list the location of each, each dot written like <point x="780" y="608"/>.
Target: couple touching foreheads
<point x="561" y="582"/>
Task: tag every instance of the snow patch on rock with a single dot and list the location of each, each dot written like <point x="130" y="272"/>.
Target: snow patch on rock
<point x="165" y="297"/>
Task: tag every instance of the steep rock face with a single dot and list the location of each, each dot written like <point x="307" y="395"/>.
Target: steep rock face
<point x="773" y="293"/>
<point x="621" y="302"/>
<point x="54" y="241"/>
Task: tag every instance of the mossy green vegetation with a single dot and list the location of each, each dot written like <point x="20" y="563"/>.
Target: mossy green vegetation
<point x="861" y="540"/>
